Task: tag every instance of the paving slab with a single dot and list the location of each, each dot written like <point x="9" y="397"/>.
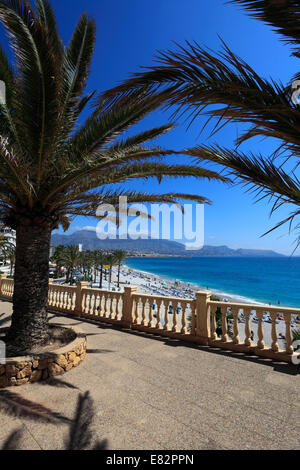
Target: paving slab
<point x="147" y="392"/>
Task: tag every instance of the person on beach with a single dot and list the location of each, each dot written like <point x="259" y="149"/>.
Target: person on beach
<point x="153" y="308"/>
<point x="252" y="336"/>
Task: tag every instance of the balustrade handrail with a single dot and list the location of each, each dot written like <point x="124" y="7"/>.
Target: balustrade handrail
<point x="264" y="307"/>
<point x="161" y="297"/>
<point x="194" y="321"/>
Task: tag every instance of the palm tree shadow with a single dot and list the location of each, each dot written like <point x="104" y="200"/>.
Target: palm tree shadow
<point x="81" y="433"/>
<point x="54" y="382"/>
<point x="12" y="404"/>
<point x="13" y="441"/>
<point x="81" y="430"/>
<point x="5" y="320"/>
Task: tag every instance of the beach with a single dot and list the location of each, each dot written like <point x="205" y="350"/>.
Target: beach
<point x="148" y="283"/>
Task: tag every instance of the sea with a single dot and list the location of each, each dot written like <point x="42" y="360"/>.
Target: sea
<point x="255" y="280"/>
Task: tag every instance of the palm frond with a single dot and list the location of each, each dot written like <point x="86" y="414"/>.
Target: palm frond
<point x="262" y="176"/>
<point x="48" y="20"/>
<point x="133" y="197"/>
<point x="283" y="15"/>
<point x="194" y="80"/>
<point x="52" y="167"/>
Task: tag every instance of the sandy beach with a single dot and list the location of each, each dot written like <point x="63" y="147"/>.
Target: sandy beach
<point x="148" y="283"/>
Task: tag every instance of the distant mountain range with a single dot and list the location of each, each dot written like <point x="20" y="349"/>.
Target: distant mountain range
<point x="90" y="241"/>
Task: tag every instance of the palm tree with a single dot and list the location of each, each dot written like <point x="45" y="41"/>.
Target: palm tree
<point x="111" y="261"/>
<point x="6" y="247"/>
<point x="10" y="254"/>
<point x="193" y="79"/>
<point x="69" y="257"/>
<point x="57" y="258"/>
<point x="120" y="257"/>
<point x="54" y="165"/>
<point x="102" y="262"/>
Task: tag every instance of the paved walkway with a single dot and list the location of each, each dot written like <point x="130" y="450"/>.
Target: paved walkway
<point x="147" y="392"/>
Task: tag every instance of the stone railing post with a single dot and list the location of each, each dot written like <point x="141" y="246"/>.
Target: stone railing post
<point x="79" y="297"/>
<point x="203" y="317"/>
<point x="49" y="290"/>
<point x="127" y="316"/>
<point x="2" y="277"/>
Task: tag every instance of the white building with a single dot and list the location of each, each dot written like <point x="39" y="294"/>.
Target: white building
<point x="8" y="233"/>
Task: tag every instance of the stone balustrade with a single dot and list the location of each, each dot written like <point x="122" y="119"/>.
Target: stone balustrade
<point x="184" y="319"/>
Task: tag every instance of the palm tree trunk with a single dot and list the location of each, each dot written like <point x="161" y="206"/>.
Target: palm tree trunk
<point x="29" y="325"/>
<point x="119" y="269"/>
<point x="101" y="276"/>
<point x="110" y="273"/>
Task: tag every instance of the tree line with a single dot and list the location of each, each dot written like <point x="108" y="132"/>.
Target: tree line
<point x="90" y="263"/>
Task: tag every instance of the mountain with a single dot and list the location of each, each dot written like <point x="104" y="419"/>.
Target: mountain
<point x="90" y="241"/>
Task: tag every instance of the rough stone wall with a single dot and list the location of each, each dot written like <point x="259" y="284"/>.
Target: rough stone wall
<point x="19" y="371"/>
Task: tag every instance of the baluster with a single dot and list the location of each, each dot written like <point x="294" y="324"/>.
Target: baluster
<point x="260" y="343"/>
<point x="59" y="299"/>
<point x="93" y="309"/>
<point x="93" y="303"/>
<point x="275" y="345"/>
<point x="166" y="325"/>
<point x="150" y="323"/>
<point x="73" y="301"/>
<point x="224" y="325"/>
<point x="159" y="303"/>
<point x="144" y="302"/>
<point x="248" y="341"/>
<point x="105" y="300"/>
<point x="87" y="303"/>
<point x="68" y="300"/>
<point x="236" y="339"/>
<point x="183" y="318"/>
<point x="83" y="304"/>
<point x="193" y="323"/>
<point x="288" y="333"/>
<point x="117" y="307"/>
<point x="111" y="306"/>
<point x="213" y="325"/>
<point x="101" y="304"/>
<point x="50" y="294"/>
<point x="175" y="329"/>
<point x="115" y="312"/>
<point x="65" y="300"/>
<point x="56" y="298"/>
<point x="62" y="300"/>
<point x="108" y="305"/>
<point x="136" y="301"/>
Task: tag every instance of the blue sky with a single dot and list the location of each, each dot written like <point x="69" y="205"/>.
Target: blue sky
<point x="128" y="34"/>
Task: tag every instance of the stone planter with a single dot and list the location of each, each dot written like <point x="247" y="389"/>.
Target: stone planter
<point x="22" y="370"/>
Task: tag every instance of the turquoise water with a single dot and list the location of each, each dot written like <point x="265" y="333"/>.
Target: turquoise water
<point x="266" y="280"/>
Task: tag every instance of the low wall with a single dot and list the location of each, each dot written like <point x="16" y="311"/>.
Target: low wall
<point x="196" y="320"/>
<point x="22" y="370"/>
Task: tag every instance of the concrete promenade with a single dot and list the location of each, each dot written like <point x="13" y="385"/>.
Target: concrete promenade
<point x="147" y="392"/>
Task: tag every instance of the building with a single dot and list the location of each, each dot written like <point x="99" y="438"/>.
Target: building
<point x="8" y="233"/>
